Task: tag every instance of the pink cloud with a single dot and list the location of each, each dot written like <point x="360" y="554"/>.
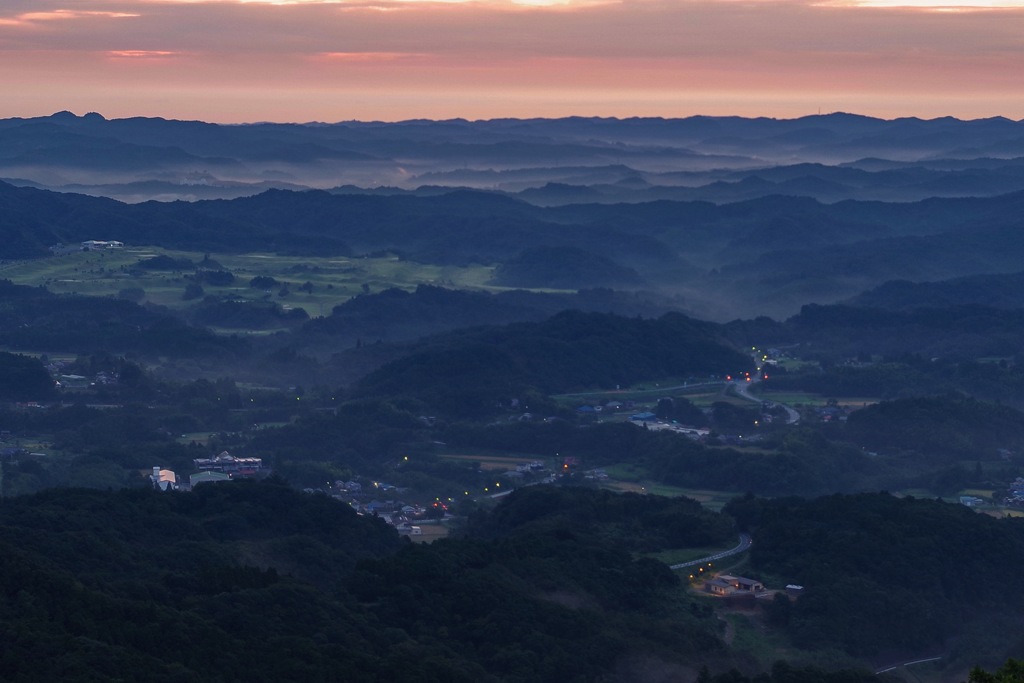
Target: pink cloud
<point x="62" y="15"/>
<point x="142" y="54"/>
<point x="302" y="60"/>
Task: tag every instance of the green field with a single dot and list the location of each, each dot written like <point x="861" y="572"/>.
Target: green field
<point x="647" y="391"/>
<point x="493" y="462"/>
<point x="334" y="280"/>
<point x="795" y="398"/>
<point x="787" y="397"/>
<point x="629" y="477"/>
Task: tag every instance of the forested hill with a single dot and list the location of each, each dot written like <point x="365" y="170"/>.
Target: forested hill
<point x="34" y="318"/>
<point x="395" y="314"/>
<point x="470" y="370"/>
<point x="887" y="574"/>
<point x="843" y="331"/>
<point x="1003" y="290"/>
<point x="257" y="582"/>
<point x="134" y="585"/>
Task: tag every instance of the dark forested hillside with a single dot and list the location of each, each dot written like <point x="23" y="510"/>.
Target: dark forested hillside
<point x="939" y="428"/>
<point x="396" y="314"/>
<point x="885" y="574"/>
<point x="471" y="370"/>
<point x="767" y="255"/>
<point x="23" y="379"/>
<point x="33" y="318"/>
<point x="564" y="268"/>
<point x="152" y="586"/>
<point x="839" y="332"/>
<point x="1002" y="291"/>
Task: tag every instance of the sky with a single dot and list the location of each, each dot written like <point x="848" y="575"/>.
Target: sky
<point x="237" y="61"/>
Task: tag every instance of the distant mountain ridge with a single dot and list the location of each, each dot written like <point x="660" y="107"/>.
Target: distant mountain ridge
<point x="634" y="159"/>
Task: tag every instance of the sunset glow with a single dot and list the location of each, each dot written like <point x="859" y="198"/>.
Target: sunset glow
<point x="395" y="59"/>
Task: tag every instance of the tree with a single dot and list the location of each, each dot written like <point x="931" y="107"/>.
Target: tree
<point x="1011" y="672"/>
<point x="193" y="290"/>
<point x="23" y="378"/>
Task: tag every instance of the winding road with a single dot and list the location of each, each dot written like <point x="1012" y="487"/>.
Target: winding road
<point x="744" y="544"/>
<point x="743" y="391"/>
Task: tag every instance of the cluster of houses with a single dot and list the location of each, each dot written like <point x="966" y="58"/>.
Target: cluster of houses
<point x="695" y="433"/>
<point x="607" y="407"/>
<point x="88" y="245"/>
<point x="832" y="413"/>
<point x="367" y="501"/>
<point x="1016" y="496"/>
<point x="100" y="245"/>
<point x="535" y="471"/>
<point x="65" y="380"/>
<point x="372" y="500"/>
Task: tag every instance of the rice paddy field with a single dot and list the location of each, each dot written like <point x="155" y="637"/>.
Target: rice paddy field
<point x="332" y="280"/>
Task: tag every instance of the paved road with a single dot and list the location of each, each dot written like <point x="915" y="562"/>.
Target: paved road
<point x="916" y="661"/>
<point x="744" y="544"/>
<point x="743" y="391"/>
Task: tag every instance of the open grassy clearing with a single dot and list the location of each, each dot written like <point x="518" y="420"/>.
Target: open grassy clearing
<point x="493" y="462"/>
<point x="431" y="531"/>
<point x="649" y="392"/>
<point x="333" y="279"/>
<point x="623" y="477"/>
<point x="647" y="487"/>
<point x="796" y="398"/>
<point x="713" y="500"/>
<point x="752" y="636"/>
<point x="201" y="438"/>
<point x="857" y="402"/>
<point x="795" y="364"/>
<point x="629" y="477"/>
<point x="787" y="397"/>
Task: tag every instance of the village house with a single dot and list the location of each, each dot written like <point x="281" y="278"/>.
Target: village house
<point x="230" y="465"/>
<point x="95" y="245"/>
<point x="165" y="480"/>
<point x="741" y="583"/>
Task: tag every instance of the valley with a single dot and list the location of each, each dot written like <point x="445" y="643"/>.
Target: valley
<point x="471" y="420"/>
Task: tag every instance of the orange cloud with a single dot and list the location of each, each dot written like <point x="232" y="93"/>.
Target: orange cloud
<point x="62" y="15"/>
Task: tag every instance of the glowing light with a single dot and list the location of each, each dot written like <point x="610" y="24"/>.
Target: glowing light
<point x="143" y="54"/>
